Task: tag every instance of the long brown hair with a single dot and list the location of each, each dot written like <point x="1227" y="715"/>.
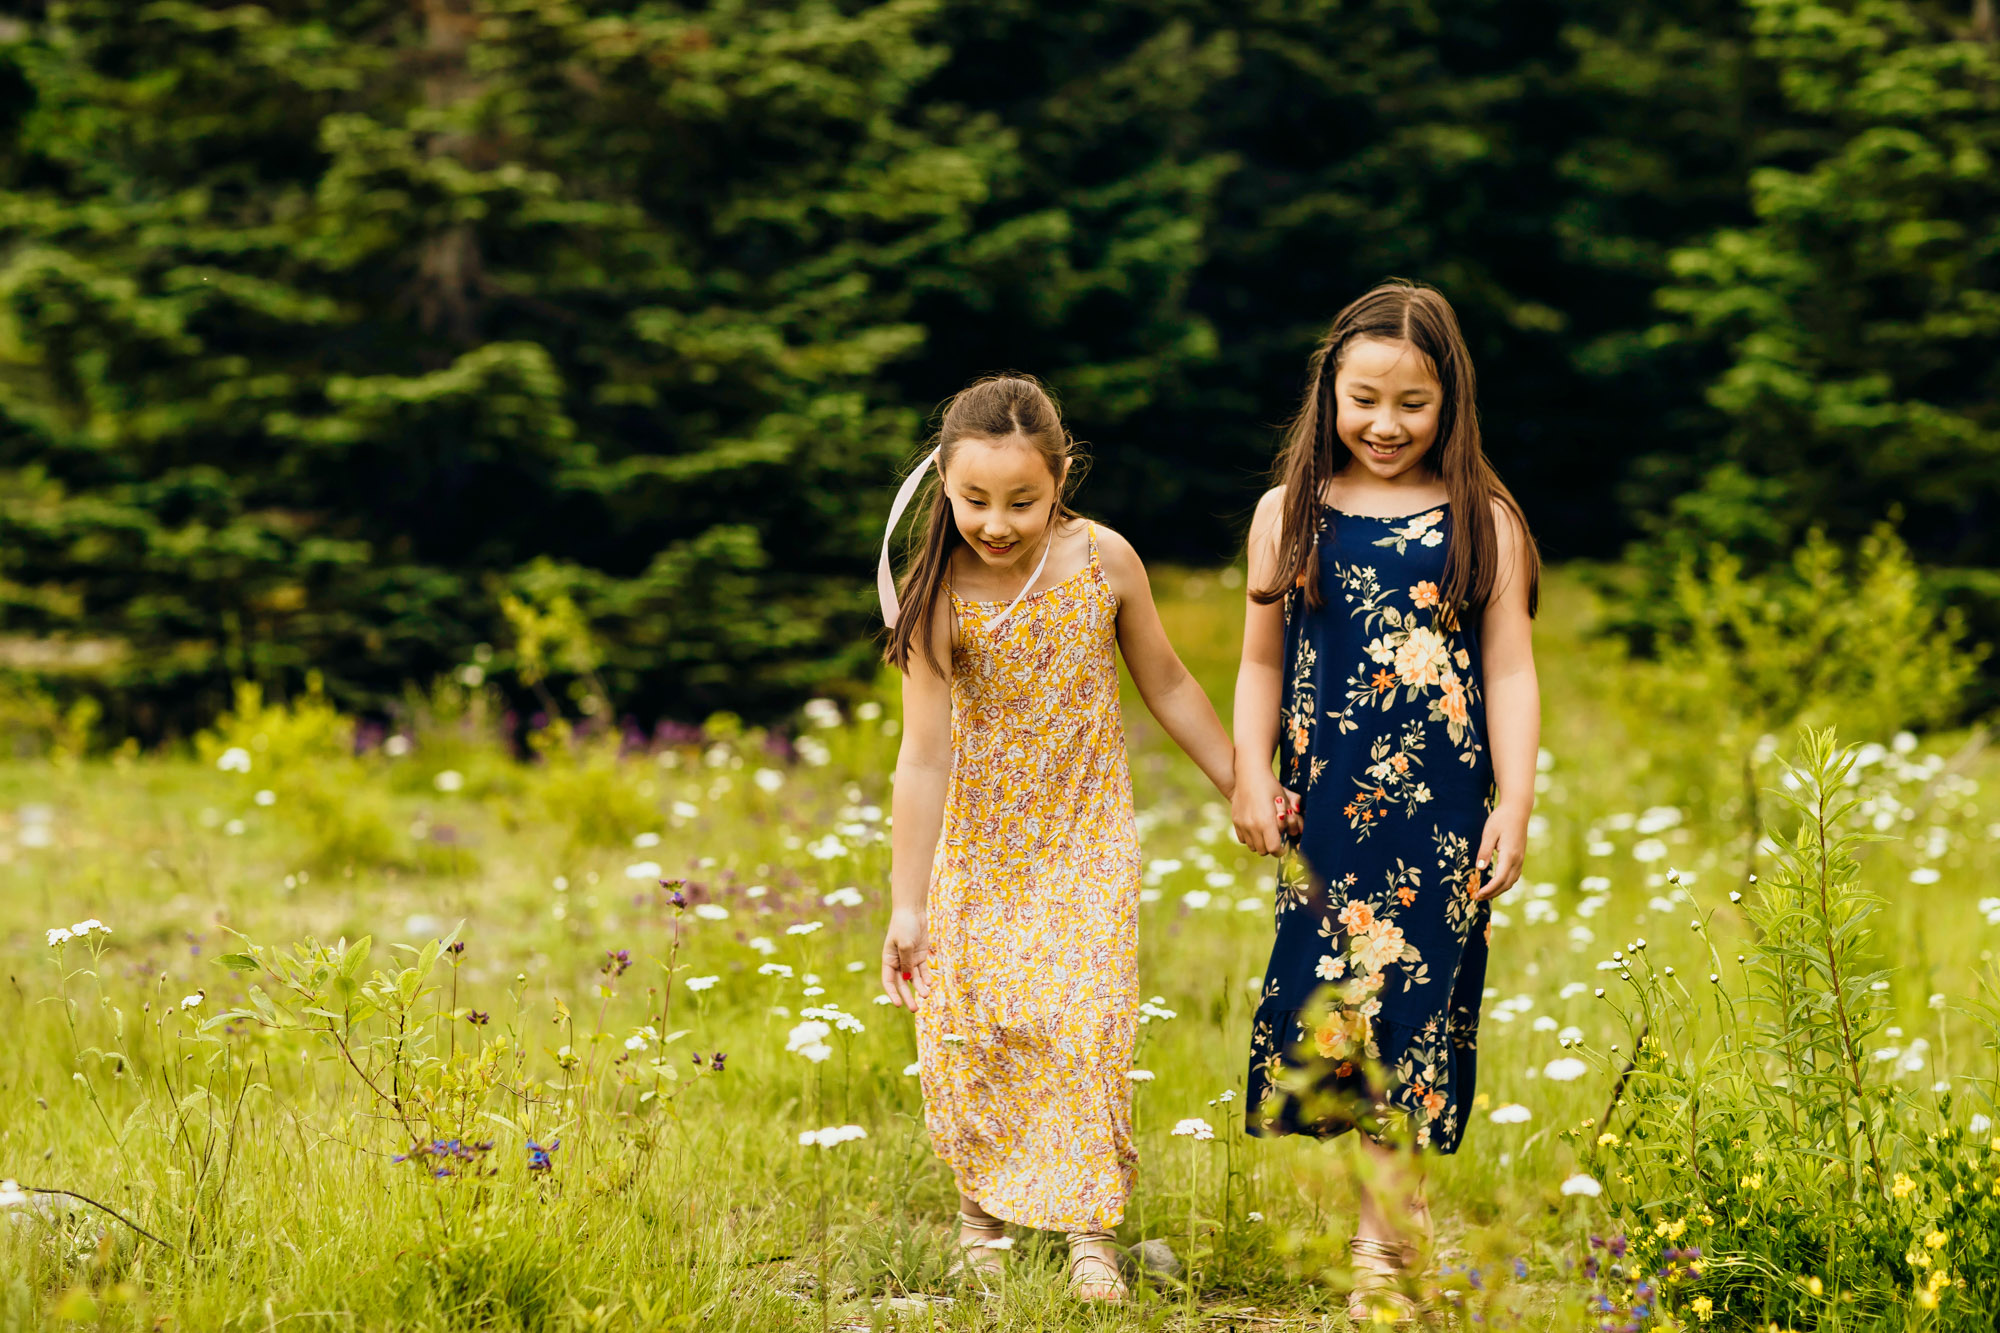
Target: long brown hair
<point x="1407" y="312"/>
<point x="992" y="408"/>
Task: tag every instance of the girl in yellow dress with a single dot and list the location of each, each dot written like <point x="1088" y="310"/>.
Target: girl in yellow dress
<point x="1015" y="873"/>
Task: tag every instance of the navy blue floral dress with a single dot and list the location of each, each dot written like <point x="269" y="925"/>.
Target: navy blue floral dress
<point x="1369" y="1016"/>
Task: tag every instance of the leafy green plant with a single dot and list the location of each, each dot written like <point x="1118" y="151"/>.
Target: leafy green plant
<point x="1739" y="657"/>
<point x="1754" y="1120"/>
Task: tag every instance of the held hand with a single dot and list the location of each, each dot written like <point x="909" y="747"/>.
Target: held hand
<point x="906" y="952"/>
<point x="1263" y="812"/>
<point x="1503" y="848"/>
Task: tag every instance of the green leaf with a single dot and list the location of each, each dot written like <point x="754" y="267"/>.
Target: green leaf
<point x="355" y="955"/>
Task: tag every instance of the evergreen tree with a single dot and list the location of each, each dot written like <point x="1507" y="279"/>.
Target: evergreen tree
<point x="1856" y="314"/>
<point x="324" y="326"/>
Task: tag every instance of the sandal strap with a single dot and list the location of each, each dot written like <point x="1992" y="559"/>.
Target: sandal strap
<point x="992" y="1225"/>
<point x="1108" y="1271"/>
<point x="1387" y="1251"/>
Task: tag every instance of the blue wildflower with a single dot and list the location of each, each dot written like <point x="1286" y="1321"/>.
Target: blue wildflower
<point x="538" y="1156"/>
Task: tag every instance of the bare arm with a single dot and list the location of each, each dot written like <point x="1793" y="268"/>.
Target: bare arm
<point x="1261" y="808"/>
<point x="1513" y="711"/>
<point x="1170" y="691"/>
<point x="923" y="766"/>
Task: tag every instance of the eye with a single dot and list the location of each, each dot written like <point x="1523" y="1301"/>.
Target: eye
<point x="1023" y="504"/>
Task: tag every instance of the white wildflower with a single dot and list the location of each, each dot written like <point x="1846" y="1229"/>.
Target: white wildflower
<point x="1513" y="1113"/>
<point x="832" y="1136"/>
<point x="1194" y="1127"/>
<point x="194" y="1001"/>
<point x="449" y="780"/>
<point x="643" y="870"/>
<point x="235" y="759"/>
<point x="1582" y="1184"/>
<point x="701" y="983"/>
<point x="1139" y="1075"/>
<point x="1565" y="1069"/>
<point x="843" y="897"/>
<point x="711" y="911"/>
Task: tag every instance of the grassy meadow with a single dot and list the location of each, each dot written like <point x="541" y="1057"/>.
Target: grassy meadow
<point x="605" y="1089"/>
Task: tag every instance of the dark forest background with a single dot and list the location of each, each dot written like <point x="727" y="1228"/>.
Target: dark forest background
<point x="347" y="336"/>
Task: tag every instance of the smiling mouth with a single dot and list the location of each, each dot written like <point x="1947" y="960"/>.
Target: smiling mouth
<point x="1385" y="450"/>
<point x="998" y="549"/>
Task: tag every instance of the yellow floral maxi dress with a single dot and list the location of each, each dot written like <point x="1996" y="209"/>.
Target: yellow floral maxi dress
<point x="1026" y="1034"/>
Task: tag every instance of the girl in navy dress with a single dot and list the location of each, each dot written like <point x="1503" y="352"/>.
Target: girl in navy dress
<point x="1387" y="663"/>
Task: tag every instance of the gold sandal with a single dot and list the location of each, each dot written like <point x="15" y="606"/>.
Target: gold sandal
<point x="1379" y="1269"/>
<point x="1107" y="1283"/>
<point x="983" y="1252"/>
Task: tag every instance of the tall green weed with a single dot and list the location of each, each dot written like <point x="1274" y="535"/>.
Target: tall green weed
<point x="1757" y="1120"/>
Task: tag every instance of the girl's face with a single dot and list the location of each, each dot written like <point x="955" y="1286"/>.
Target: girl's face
<point x="1388" y="401"/>
<point x="1002" y="497"/>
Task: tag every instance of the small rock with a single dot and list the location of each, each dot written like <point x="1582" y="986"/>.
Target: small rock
<point x="1156" y="1256"/>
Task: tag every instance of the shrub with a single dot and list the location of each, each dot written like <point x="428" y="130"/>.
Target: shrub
<point x="1823" y="636"/>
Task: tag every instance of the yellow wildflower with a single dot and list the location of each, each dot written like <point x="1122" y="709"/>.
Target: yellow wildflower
<point x="1703" y="1307"/>
<point x="1904" y="1186"/>
<point x="1815" y="1286"/>
<point x="1755" y="1182"/>
<point x="1607" y="1140"/>
<point x="1936" y="1240"/>
<point x="1917" y="1259"/>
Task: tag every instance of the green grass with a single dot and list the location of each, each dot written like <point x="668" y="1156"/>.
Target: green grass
<point x="261" y="1156"/>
